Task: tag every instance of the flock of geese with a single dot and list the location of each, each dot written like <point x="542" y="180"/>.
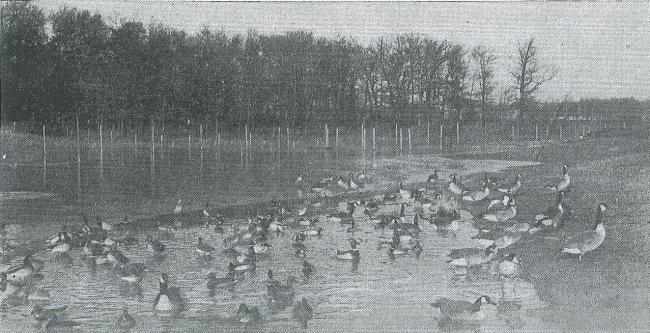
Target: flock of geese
<point x="398" y="215"/>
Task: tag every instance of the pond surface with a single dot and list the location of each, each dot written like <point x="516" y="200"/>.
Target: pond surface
<point x="381" y="295"/>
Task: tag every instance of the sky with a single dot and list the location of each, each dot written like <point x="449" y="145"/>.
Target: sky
<point x="600" y="49"/>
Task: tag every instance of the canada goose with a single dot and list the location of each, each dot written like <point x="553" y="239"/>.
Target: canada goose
<point x="462" y="310"/>
<point x="307" y="268"/>
<point x="509" y="267"/>
<point x="155" y="245"/>
<point x="505" y="199"/>
<point x="7" y="289"/>
<point x="248" y="316"/>
<point x="454" y="186"/>
<point x="588" y="240"/>
<point x="403" y="193"/>
<point x="563" y="184"/>
<point x="502" y="215"/>
<point x="349" y="254"/>
<point x="59" y="324"/>
<point x="168" y="298"/>
<point x="204" y="249"/>
<point x="513" y="188"/>
<point x="477" y="195"/>
<point x="433" y="178"/>
<point x="179" y="207"/>
<point x="64" y="244"/>
<point x="303" y="312"/>
<point x="40" y="313"/>
<point x="471" y="257"/>
<point x="132" y="272"/>
<point x="214" y="282"/>
<point x="116" y="257"/>
<point x="553" y="215"/>
<point x="21" y="272"/>
<point x="125" y="321"/>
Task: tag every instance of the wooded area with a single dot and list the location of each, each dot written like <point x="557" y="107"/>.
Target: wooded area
<point x="74" y="63"/>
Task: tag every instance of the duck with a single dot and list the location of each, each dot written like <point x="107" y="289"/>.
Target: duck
<point x="502" y="215"/>
<point x="462" y="310"/>
<point x="352" y="254"/>
<point x="563" y="184"/>
<point x="179" y="207"/>
<point x="553" y="215"/>
<point x="40" y="313"/>
<point x="64" y="245"/>
<point x="132" y="272"/>
<point x="168" y="298"/>
<point x="248" y="316"/>
<point x="214" y="282"/>
<point x="513" y="188"/>
<point x="474" y="196"/>
<point x="155" y="245"/>
<point x="307" y="268"/>
<point x="455" y="187"/>
<point x="59" y="324"/>
<point x="303" y="312"/>
<point x="21" y="272"/>
<point x="125" y="321"/>
<point x="204" y="249"/>
<point x="472" y="257"/>
<point x="588" y="240"/>
<point x="342" y="183"/>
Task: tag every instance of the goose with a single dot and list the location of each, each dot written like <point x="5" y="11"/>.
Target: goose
<point x="444" y="220"/>
<point x="393" y="252"/>
<point x="168" y="298"/>
<point x="132" y="272"/>
<point x="352" y="185"/>
<point x="179" y="207"/>
<point x="509" y="267"/>
<point x="248" y="316"/>
<point x="472" y="257"/>
<point x="588" y="240"/>
<point x="307" y="268"/>
<point x="344" y="217"/>
<point x="21" y="272"/>
<point x="501" y="238"/>
<point x="303" y="312"/>
<point x="502" y="215"/>
<point x="116" y="257"/>
<point x="407" y="227"/>
<point x="39" y="313"/>
<point x="261" y="248"/>
<point x="403" y="193"/>
<point x="342" y="183"/>
<point x="93" y="249"/>
<point x="462" y="310"/>
<point x="503" y="201"/>
<point x="58" y="237"/>
<point x="553" y="215"/>
<point x="204" y="249"/>
<point x="282" y="295"/>
<point x="417" y="250"/>
<point x="300" y="253"/>
<point x="7" y="289"/>
<point x="564" y="183"/>
<point x="125" y="321"/>
<point x="64" y="245"/>
<point x="248" y="257"/>
<point x="154" y="245"/>
<point x="59" y="324"/>
<point x="214" y="282"/>
<point x="314" y="231"/>
<point x="352" y="254"/>
<point x="477" y="195"/>
<point x="513" y="188"/>
<point x="433" y="178"/>
<point x="455" y="187"/>
<point x="106" y="226"/>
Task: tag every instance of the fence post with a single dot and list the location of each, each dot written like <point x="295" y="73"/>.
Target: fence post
<point x="441" y="136"/>
<point x="373" y="139"/>
<point x="327" y="136"/>
<point x="44" y="158"/>
<point x="396" y="135"/>
<point x="337" y="137"/>
<point x="428" y="135"/>
<point x="536" y="132"/>
<point x="512" y="135"/>
<point x="409" y="132"/>
<point x="401" y="145"/>
<point x="458" y="132"/>
<point x="101" y="144"/>
<point x="560" y="130"/>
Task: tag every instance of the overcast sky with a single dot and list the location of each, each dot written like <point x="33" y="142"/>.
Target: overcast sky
<point x="599" y="49"/>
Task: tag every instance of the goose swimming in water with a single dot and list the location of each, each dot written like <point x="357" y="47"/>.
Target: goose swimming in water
<point x="589" y="240"/>
<point x="168" y="298"/>
<point x="564" y="183"/>
<point x="125" y="321"/>
<point x="204" y="249"/>
<point x="505" y="199"/>
<point x="462" y="310"/>
<point x="40" y="313"/>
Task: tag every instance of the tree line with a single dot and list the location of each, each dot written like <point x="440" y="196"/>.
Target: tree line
<point x="73" y="63"/>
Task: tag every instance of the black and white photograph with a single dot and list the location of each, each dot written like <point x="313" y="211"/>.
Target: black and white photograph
<point x="324" y="166"/>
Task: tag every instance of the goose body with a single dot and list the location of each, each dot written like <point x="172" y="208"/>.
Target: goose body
<point x="59" y="324"/>
<point x="477" y="195"/>
<point x="168" y="298"/>
<point x="553" y="215"/>
<point x="589" y="240"/>
<point x="204" y="249"/>
<point x="303" y="312"/>
<point x="21" y="272"/>
<point x="513" y="188"/>
<point x="62" y="246"/>
<point x="132" y="272"/>
<point x="471" y="257"/>
<point x="502" y="215"/>
<point x="509" y="267"/>
<point x="454" y="187"/>
<point x="154" y="245"/>
<point x="39" y="313"/>
<point x="462" y="310"/>
<point x="179" y="207"/>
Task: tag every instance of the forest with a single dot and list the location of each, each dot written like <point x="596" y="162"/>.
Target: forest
<point x="73" y="63"/>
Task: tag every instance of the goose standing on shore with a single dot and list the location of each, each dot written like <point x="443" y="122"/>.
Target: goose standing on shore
<point x="462" y="310"/>
<point x="168" y="298"/>
<point x="553" y="215"/>
<point x="588" y="240"/>
<point x="563" y="184"/>
<point x="454" y="186"/>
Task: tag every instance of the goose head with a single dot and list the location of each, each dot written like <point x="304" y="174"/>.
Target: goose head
<point x="484" y="300"/>
<point x="565" y="169"/>
<point x="163" y="282"/>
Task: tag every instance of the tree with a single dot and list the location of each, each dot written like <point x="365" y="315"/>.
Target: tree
<point x="484" y="74"/>
<point x="455" y="79"/>
<point x="529" y="73"/>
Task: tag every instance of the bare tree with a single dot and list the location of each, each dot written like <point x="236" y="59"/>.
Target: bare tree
<point x="484" y="74"/>
<point x="529" y="73"/>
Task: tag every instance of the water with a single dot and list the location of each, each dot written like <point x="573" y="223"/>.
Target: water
<point x="380" y="295"/>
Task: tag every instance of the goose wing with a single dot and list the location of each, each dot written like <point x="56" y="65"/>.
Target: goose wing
<point x="580" y="240"/>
